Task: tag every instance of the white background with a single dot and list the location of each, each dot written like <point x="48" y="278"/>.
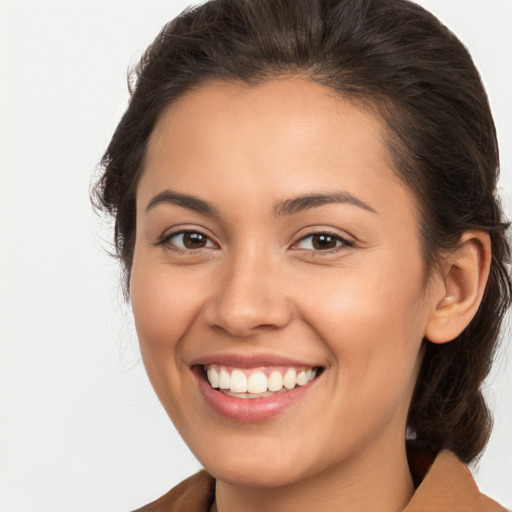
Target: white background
<point x="80" y="428"/>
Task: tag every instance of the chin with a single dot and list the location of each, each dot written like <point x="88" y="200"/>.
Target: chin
<point x="256" y="461"/>
<point x="266" y="474"/>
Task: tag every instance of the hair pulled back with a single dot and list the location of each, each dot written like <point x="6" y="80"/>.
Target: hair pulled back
<point x="399" y="60"/>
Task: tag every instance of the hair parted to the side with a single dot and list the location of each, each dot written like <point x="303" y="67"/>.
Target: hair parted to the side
<point x="399" y="60"/>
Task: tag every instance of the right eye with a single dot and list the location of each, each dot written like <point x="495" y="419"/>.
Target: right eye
<point x="187" y="240"/>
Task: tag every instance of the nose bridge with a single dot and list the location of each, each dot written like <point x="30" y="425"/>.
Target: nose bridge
<point x="248" y="295"/>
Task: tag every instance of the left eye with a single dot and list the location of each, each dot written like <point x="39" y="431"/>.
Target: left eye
<point x="320" y="242"/>
<point x="189" y="240"/>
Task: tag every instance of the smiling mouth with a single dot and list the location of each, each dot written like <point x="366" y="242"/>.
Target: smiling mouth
<point x="257" y="383"/>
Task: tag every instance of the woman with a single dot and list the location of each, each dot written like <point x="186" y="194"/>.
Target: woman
<point x="304" y="195"/>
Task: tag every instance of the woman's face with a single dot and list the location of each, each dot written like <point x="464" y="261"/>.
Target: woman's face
<point x="274" y="243"/>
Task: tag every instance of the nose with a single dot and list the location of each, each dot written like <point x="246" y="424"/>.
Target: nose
<point x="249" y="297"/>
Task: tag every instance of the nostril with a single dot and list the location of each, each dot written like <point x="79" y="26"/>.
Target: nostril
<point x="246" y="302"/>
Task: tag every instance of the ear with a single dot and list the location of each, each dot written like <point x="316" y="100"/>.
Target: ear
<point x="460" y="289"/>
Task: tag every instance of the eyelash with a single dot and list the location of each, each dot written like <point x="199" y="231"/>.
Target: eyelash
<point x="165" y="239"/>
<point x="340" y="242"/>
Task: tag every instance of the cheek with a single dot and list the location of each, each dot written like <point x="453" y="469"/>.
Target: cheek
<point x="164" y="305"/>
<point x="373" y="324"/>
<point x="360" y="301"/>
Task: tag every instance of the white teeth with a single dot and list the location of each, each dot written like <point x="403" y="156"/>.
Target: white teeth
<point x="224" y="379"/>
<point x="290" y="379"/>
<point x="302" y="378"/>
<point x="213" y="377"/>
<point x="275" y="381"/>
<point x="238" y="382"/>
<point x="257" y="383"/>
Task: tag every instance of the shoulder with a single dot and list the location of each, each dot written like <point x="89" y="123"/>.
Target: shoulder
<point x="195" y="494"/>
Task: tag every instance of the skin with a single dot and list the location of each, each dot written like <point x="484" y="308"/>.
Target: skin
<point x="259" y="286"/>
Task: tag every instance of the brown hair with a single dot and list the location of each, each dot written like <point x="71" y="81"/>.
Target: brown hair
<point x="401" y="61"/>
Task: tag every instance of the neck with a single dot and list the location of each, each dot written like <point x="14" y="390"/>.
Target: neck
<point x="380" y="483"/>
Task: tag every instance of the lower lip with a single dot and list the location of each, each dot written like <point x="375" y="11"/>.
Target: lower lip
<point x="250" y="410"/>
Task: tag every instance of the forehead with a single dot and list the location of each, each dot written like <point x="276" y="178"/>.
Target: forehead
<point x="232" y="136"/>
<point x="285" y="108"/>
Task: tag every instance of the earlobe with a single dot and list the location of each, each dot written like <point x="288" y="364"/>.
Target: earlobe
<point x="465" y="274"/>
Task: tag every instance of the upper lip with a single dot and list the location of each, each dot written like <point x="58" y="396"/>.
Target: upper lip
<point x="250" y="361"/>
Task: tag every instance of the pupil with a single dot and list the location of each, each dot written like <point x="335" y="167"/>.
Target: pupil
<point x="324" y="242"/>
<point x="194" y="240"/>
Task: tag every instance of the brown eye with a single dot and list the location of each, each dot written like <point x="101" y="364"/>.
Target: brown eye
<point x="322" y="242"/>
<point x="194" y="240"/>
<point x="189" y="240"/>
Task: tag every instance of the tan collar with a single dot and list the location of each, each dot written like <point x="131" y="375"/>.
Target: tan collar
<point x="448" y="486"/>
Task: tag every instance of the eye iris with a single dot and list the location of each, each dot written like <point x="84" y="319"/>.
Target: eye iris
<point x="194" y="240"/>
<point x="323" y="242"/>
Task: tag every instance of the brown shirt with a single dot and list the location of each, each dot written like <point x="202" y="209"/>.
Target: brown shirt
<point x="448" y="486"/>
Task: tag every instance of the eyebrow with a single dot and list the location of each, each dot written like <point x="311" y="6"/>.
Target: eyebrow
<point x="185" y="200"/>
<point x="282" y="208"/>
<point x="306" y="202"/>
